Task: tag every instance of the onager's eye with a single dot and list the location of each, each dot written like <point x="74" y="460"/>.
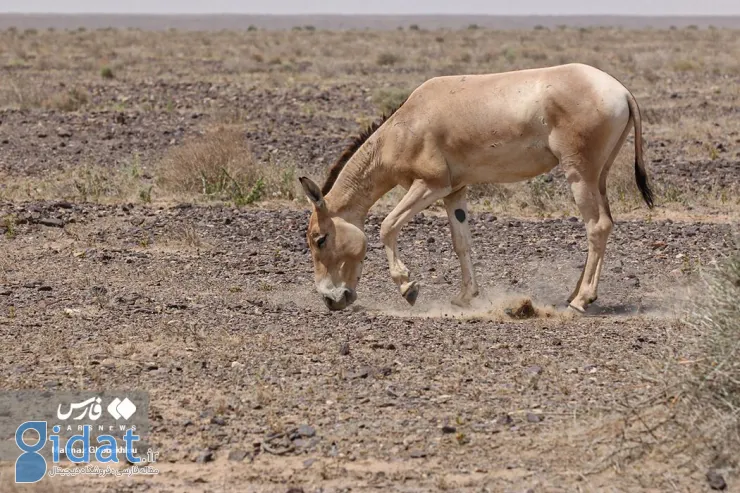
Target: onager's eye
<point x="320" y="241"/>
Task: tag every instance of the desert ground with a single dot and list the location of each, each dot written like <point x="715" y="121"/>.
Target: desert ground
<point x="152" y="236"/>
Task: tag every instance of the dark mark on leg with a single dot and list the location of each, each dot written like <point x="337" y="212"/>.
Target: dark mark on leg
<point x="460" y="215"/>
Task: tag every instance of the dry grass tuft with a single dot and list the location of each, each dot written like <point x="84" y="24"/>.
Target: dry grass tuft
<point x="691" y="425"/>
<point x="24" y="96"/>
<point x="219" y="165"/>
<point x="387" y="100"/>
<point x="712" y="389"/>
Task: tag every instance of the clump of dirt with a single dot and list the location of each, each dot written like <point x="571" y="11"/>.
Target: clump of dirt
<point x="524" y="309"/>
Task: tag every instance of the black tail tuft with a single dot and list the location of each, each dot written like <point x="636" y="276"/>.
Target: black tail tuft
<point x="642" y="184"/>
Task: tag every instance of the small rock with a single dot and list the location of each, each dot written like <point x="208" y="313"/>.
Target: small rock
<point x="237" y="455"/>
<point x="204" y="457"/>
<point x="534" y="418"/>
<point x="218" y="420"/>
<point x="306" y="431"/>
<point x="50" y="221"/>
<point x="308" y="463"/>
<point x="504" y="419"/>
<point x="534" y="370"/>
<point x="44" y="288"/>
<point x="417" y="454"/>
<point x="716" y="481"/>
<point x="98" y="290"/>
<point x="295" y="490"/>
<point x="448" y="429"/>
<point x="137" y="221"/>
<point x="363" y="372"/>
<point x="344" y="349"/>
<point x="5" y="292"/>
<point x="64" y="132"/>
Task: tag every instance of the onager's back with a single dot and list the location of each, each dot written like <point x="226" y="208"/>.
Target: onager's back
<point x="455" y="131"/>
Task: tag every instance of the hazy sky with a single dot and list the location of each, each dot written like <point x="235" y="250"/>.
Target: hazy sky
<point x="501" y="7"/>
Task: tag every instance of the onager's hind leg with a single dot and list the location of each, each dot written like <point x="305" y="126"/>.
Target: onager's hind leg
<point x="603" y="208"/>
<point x="595" y="212"/>
<point x="419" y="197"/>
<point x="457" y="212"/>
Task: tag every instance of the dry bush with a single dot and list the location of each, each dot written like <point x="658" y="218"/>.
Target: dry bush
<point x="26" y="94"/>
<point x="70" y="100"/>
<point x="387" y="58"/>
<point x="386" y="100"/>
<point x="83" y="183"/>
<point x="714" y="386"/>
<point x="692" y="423"/>
<point x="220" y="165"/>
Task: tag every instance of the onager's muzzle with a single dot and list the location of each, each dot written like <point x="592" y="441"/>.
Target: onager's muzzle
<point x="340" y="299"/>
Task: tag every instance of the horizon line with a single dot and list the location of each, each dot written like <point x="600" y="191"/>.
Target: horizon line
<point x="306" y="14"/>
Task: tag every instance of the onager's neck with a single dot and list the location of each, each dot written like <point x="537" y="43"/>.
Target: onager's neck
<point x="358" y="186"/>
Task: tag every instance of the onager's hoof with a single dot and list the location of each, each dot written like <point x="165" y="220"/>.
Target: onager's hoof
<point x="462" y="301"/>
<point x="410" y="291"/>
<point x="577" y="309"/>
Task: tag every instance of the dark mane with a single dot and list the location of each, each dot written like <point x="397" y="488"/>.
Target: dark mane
<point x="350" y="150"/>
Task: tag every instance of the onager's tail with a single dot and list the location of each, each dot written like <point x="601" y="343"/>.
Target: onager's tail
<point x="640" y="174"/>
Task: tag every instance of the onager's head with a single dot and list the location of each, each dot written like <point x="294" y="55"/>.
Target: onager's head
<point x="338" y="250"/>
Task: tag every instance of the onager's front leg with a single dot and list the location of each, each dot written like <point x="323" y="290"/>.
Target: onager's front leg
<point x="457" y="213"/>
<point x="419" y="197"/>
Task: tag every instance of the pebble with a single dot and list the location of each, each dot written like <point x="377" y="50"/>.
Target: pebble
<point x="306" y="431"/>
<point x="716" y="481"/>
<point x="237" y="455"/>
<point x="344" y="349"/>
<point x="204" y="457"/>
<point x="50" y="221"/>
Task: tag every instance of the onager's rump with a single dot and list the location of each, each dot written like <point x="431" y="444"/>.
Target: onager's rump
<point x="456" y="131"/>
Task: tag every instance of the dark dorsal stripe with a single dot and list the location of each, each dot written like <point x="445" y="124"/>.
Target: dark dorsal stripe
<point x="350" y="150"/>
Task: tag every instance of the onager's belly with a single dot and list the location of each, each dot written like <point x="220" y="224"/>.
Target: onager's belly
<point x="504" y="163"/>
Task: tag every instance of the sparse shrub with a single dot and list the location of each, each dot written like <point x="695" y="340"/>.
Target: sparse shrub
<point x="509" y="54"/>
<point x="9" y="223"/>
<point x="252" y="28"/>
<point x="684" y="65"/>
<point x="309" y="28"/>
<point x="20" y="94"/>
<point x="716" y="316"/>
<point x="220" y="165"/>
<point x="388" y="58"/>
<point x="386" y="100"/>
<point x="473" y="27"/>
<point x="70" y="100"/>
<point x="414" y="27"/>
<point x="106" y="73"/>
<point x="145" y="194"/>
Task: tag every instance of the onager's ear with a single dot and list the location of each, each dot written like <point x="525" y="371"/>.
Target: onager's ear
<point x="313" y="192"/>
